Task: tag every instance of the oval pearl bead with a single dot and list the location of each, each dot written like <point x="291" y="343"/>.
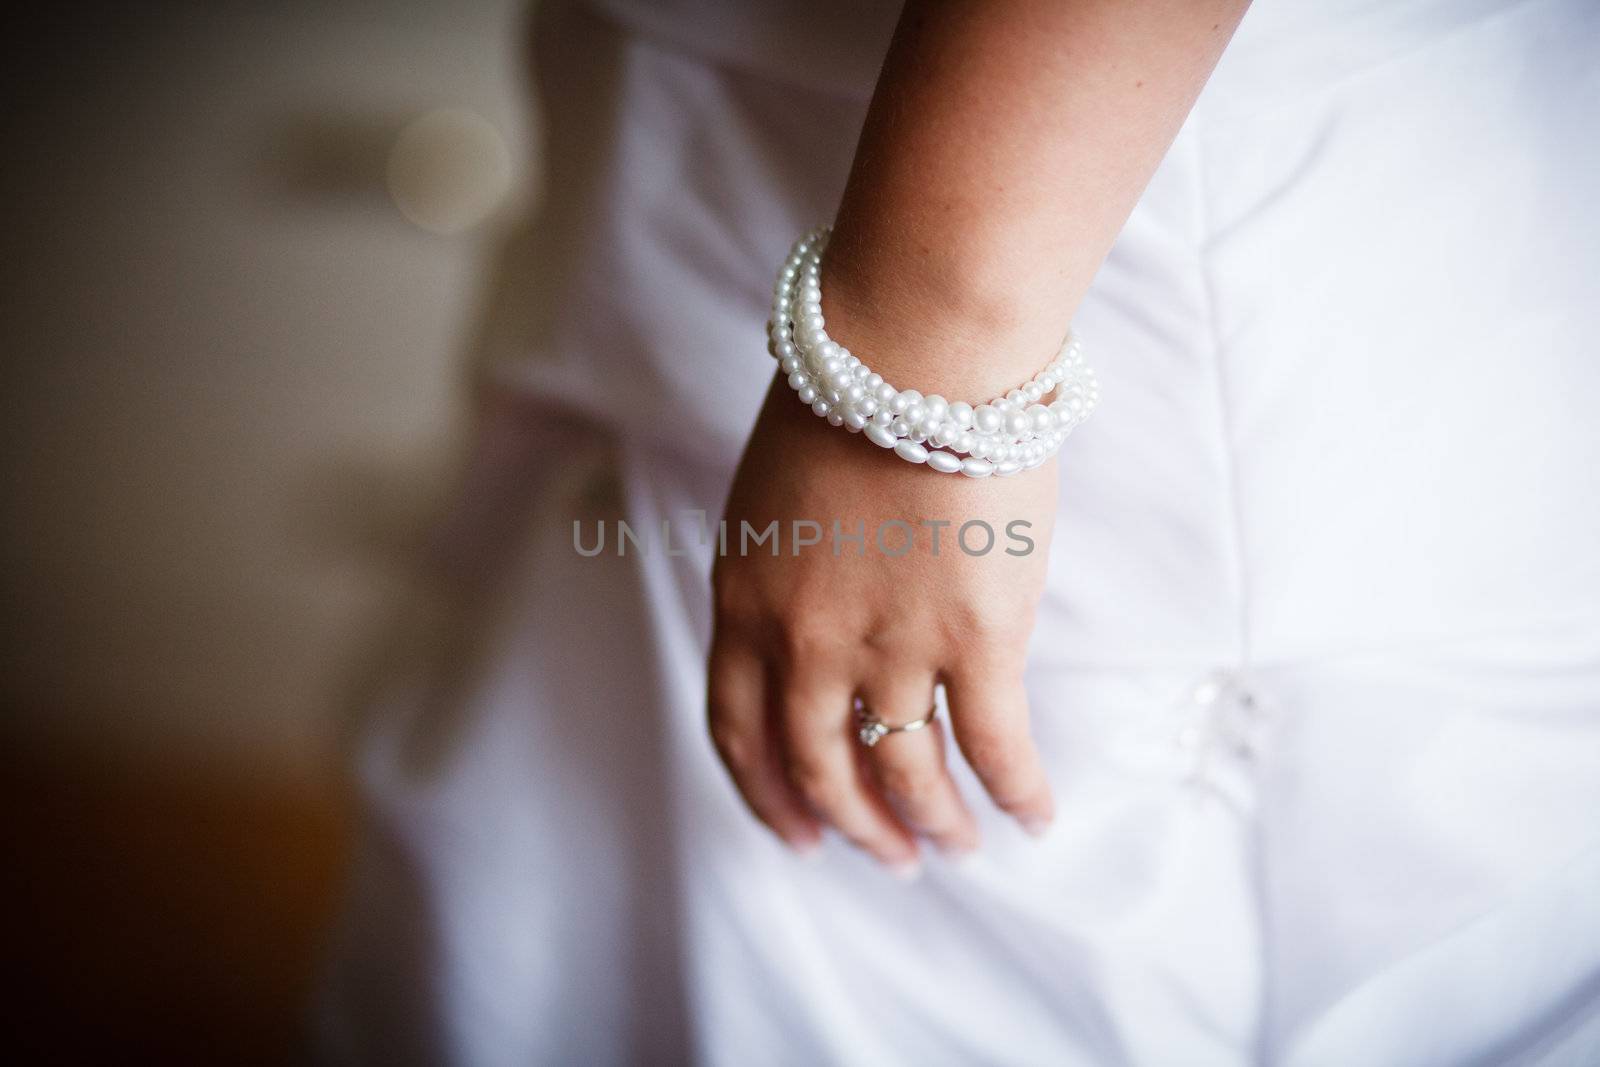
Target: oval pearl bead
<point x="880" y="436"/>
<point x="977" y="468"/>
<point x="911" y="452"/>
<point x="944" y="461"/>
<point x="986" y="418"/>
<point x="1009" y="467"/>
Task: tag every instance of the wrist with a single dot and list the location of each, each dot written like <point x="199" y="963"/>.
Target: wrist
<point x="1010" y="433"/>
<point x="942" y="326"/>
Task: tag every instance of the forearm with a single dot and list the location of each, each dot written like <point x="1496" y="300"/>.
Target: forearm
<point x="1006" y="144"/>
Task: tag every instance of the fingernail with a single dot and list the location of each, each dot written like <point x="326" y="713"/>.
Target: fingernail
<point x="1035" y="827"/>
<point x="907" y="870"/>
<point x="807" y="851"/>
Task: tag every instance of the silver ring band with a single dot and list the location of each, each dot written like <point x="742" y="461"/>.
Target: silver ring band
<point x="870" y="729"/>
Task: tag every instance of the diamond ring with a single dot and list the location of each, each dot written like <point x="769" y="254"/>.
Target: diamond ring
<point x="870" y="729"/>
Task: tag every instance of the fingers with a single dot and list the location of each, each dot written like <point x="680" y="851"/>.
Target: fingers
<point x="989" y="709"/>
<point x="743" y="728"/>
<point x="910" y="767"/>
<point x="821" y="747"/>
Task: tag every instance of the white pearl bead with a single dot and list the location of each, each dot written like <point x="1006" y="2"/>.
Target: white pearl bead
<point x="882" y="418"/>
<point x="1008" y="467"/>
<point x="873" y="381"/>
<point x="977" y="468"/>
<point x="915" y="411"/>
<point x="900" y="426"/>
<point x="881" y="436"/>
<point x="821" y="407"/>
<point x="961" y="413"/>
<point x="936" y="406"/>
<point x="834" y="418"/>
<point x="855" y="394"/>
<point x="868" y="406"/>
<point x="799" y="380"/>
<point x="884" y="392"/>
<point x="854" y="420"/>
<point x="911" y="452"/>
<point x="1016" y="422"/>
<point x="1040" y="418"/>
<point x="986" y="418"/>
<point x="807" y="394"/>
<point x="789" y="364"/>
<point x="944" y="461"/>
<point x="966" y="442"/>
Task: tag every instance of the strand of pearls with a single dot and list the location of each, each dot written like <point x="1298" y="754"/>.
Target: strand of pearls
<point x="1010" y="433"/>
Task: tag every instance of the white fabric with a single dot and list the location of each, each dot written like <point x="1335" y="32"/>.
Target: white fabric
<point x="1318" y="671"/>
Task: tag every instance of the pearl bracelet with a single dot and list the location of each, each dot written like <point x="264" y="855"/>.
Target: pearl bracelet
<point x="1011" y="433"/>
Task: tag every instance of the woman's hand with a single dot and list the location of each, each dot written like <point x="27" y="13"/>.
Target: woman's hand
<point x="799" y="636"/>
<point x="1004" y="147"/>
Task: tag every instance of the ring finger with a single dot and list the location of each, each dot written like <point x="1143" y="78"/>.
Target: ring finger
<point x="909" y="766"/>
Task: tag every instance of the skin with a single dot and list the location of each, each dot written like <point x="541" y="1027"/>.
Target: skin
<point x="1006" y="144"/>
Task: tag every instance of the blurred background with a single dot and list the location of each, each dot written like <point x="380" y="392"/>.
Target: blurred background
<point x="252" y="254"/>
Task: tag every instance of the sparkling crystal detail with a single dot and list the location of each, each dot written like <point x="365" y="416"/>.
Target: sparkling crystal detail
<point x="871" y="732"/>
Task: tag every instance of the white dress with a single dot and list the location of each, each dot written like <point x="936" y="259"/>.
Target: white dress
<point x="1317" y="674"/>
